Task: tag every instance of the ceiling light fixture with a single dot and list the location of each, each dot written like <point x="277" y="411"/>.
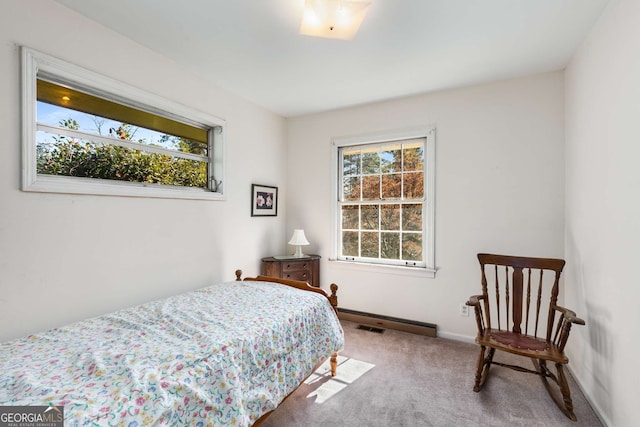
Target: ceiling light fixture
<point x="335" y="19"/>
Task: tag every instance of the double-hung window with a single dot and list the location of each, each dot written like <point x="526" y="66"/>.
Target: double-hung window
<point x="385" y="199"/>
<point x="86" y="133"/>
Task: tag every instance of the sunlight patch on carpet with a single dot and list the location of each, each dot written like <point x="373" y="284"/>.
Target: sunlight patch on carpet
<point x="349" y="370"/>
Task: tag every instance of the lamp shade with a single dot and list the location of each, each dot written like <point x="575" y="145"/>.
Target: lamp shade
<point x="298" y="238"/>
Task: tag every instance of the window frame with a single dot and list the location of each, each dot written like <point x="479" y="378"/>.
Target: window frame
<point x="428" y="203"/>
<point x="39" y="65"/>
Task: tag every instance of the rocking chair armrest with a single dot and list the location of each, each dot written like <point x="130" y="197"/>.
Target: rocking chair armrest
<point x="568" y="318"/>
<point x="570" y="315"/>
<point x="474" y="300"/>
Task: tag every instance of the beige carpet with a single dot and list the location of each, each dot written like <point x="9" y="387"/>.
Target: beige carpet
<point x="401" y="379"/>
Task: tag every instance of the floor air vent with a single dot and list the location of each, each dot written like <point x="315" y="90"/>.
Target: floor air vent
<point x="370" y="329"/>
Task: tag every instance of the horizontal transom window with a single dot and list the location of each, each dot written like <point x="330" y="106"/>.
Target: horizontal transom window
<point x="85" y="133"/>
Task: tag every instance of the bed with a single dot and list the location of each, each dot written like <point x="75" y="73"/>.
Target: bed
<point x="227" y="354"/>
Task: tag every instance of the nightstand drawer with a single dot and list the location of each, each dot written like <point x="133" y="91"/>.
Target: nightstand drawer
<point x="295" y="266"/>
<point x="302" y="275"/>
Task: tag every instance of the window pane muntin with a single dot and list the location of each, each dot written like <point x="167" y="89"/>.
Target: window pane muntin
<point x="375" y="160"/>
<point x="415" y="190"/>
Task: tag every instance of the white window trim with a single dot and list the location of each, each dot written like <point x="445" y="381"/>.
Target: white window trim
<point x="429" y="133"/>
<point x="34" y="62"/>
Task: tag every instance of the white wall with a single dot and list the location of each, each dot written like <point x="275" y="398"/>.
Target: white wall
<point x="66" y="257"/>
<point x="603" y="211"/>
<point x="499" y="188"/>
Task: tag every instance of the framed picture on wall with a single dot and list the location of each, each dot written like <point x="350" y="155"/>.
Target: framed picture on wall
<point x="264" y="200"/>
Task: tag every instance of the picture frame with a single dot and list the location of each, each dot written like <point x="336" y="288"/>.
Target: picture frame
<point x="264" y="200"/>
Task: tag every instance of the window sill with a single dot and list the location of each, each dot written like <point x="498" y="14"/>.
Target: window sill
<point x="73" y="185"/>
<point x="429" y="273"/>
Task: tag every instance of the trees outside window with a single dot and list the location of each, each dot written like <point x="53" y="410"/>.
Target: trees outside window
<point x="385" y="201"/>
<point x="85" y="133"/>
<point x="77" y="154"/>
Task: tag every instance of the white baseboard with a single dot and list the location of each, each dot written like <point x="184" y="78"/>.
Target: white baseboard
<point x="457" y="337"/>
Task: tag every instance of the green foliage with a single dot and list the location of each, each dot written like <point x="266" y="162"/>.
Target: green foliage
<point x="70" y="124"/>
<point x="124" y="131"/>
<point x="71" y="157"/>
<point x="185" y="145"/>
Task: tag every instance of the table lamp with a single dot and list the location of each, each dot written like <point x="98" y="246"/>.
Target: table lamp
<point x="298" y="239"/>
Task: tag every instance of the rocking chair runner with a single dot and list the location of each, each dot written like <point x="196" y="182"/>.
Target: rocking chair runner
<point x="500" y="327"/>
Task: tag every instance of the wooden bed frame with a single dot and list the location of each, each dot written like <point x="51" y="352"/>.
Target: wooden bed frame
<point x="333" y="300"/>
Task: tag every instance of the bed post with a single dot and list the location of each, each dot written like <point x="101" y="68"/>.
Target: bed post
<point x="333" y="299"/>
<point x="238" y="275"/>
<point x="334" y="364"/>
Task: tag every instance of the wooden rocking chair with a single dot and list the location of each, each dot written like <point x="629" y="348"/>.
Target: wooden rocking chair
<point x="500" y="327"/>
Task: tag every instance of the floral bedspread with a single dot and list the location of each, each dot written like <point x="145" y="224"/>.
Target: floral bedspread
<point x="221" y="355"/>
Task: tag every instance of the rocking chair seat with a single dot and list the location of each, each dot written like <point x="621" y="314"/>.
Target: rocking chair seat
<point x="523" y="345"/>
<point x="525" y="342"/>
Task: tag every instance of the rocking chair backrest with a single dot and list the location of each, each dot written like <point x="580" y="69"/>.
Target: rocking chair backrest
<point x="520" y="293"/>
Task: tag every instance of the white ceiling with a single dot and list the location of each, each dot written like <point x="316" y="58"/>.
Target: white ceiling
<point x="404" y="47"/>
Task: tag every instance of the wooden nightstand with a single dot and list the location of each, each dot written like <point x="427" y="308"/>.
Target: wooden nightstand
<point x="305" y="269"/>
